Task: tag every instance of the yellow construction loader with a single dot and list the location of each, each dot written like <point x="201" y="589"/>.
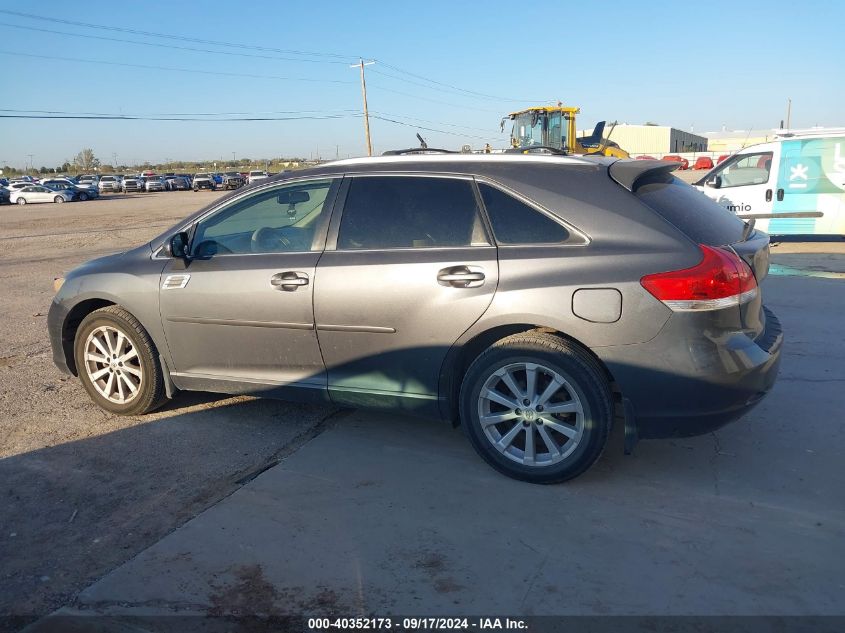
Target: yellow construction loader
<point x="552" y="128"/>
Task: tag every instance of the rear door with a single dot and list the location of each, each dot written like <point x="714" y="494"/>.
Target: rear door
<point x="408" y="268"/>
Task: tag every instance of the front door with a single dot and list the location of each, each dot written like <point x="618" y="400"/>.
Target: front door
<point x="240" y="311"/>
<point x="412" y="270"/>
<point x="745" y="183"/>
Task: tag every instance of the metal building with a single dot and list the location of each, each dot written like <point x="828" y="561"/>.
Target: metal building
<point x="656" y="139"/>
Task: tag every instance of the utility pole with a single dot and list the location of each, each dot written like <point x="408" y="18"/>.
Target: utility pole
<point x="788" y="112"/>
<point x="233" y="158"/>
<point x="30" y="162"/>
<point x="361" y="65"/>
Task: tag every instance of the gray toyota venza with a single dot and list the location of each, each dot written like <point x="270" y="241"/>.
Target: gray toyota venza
<point x="530" y="299"/>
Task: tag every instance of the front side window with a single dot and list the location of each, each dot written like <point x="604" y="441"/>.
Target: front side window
<point x="279" y="220"/>
<point x="745" y="169"/>
<point x="515" y="222"/>
<point x="387" y="212"/>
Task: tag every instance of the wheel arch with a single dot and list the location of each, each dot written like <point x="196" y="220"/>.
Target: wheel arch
<point x="463" y="353"/>
<point x="71" y="324"/>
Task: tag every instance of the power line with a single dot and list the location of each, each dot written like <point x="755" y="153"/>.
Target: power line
<point x="336" y="56"/>
<point x="181" y="38"/>
<point x="170" y="46"/>
<point x="404" y="116"/>
<point x="208" y="114"/>
<point x="123" y="117"/>
<point x="429" y="129"/>
<point x="447" y="103"/>
<point x="444" y="85"/>
<point x="175" y="69"/>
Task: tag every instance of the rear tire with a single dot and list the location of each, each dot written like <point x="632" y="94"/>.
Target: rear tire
<point x="552" y="401"/>
<point x="117" y="362"/>
<point x="83" y="197"/>
<point x="21" y="201"/>
<point x="58" y="200"/>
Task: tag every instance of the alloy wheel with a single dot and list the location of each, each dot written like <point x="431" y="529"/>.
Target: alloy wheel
<point x="531" y="414"/>
<point x="113" y="365"/>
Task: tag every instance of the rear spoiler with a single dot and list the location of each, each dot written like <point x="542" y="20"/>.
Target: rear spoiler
<point x="628" y="172"/>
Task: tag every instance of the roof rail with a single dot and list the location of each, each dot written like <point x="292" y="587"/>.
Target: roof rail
<point x="546" y="149"/>
<point x="418" y="150"/>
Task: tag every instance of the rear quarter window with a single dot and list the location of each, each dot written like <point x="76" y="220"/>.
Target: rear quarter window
<point x="515" y="222"/>
<point x="693" y="213"/>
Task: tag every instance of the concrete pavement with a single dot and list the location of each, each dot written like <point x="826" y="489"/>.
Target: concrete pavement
<point x="384" y="514"/>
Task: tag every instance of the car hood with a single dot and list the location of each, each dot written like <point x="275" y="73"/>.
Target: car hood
<point x="115" y="262"/>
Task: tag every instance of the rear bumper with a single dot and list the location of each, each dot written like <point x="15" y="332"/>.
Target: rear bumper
<point x="684" y="387"/>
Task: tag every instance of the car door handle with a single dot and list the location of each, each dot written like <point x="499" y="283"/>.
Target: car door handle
<point x="461" y="276"/>
<point x="780" y="195"/>
<point x="289" y="280"/>
<point x="768" y="195"/>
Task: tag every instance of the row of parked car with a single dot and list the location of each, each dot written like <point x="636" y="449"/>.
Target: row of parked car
<point x="59" y="189"/>
<point x="177" y="182"/>
<point x="26" y="190"/>
<point x="702" y="162"/>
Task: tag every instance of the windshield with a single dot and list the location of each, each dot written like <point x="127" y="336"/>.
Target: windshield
<point x="256" y="173"/>
<point x="531" y="129"/>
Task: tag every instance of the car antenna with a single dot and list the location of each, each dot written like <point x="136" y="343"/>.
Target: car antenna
<point x="423" y="144"/>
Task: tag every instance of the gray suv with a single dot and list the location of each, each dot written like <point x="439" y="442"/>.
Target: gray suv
<point x="530" y="299"/>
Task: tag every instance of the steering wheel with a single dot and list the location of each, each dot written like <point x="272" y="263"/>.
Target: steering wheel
<point x="268" y="239"/>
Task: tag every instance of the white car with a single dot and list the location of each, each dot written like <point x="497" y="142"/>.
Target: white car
<point x="36" y="193"/>
<point x="255" y="176"/>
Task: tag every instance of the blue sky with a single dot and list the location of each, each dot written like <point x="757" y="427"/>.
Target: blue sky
<point x="675" y="63"/>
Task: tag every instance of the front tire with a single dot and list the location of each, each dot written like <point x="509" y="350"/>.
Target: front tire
<point x="58" y="200"/>
<point x="21" y="200"/>
<point x="537" y="408"/>
<point x="117" y="362"/>
<point x="83" y="197"/>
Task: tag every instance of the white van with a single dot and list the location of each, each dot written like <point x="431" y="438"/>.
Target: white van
<point x="794" y="185"/>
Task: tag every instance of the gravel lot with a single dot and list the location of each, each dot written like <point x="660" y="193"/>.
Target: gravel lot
<point x="78" y="495"/>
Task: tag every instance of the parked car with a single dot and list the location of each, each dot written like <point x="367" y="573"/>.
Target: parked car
<point x="110" y="183"/>
<point x="204" y="181"/>
<point x="74" y="193"/>
<point x="257" y="175"/>
<point x="485" y="290"/>
<point x="176" y="183"/>
<point x="722" y="158"/>
<point x="83" y="190"/>
<point x="232" y="180"/>
<point x="90" y="180"/>
<point x="703" y="162"/>
<point x="38" y="193"/>
<point x="4" y="195"/>
<point x="154" y="183"/>
<point x="684" y="163"/>
<point x="133" y="184"/>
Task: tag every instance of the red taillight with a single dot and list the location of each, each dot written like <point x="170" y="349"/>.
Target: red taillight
<point x="722" y="279"/>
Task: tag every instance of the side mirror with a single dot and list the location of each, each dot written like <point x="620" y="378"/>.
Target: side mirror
<point x="715" y="182"/>
<point x="178" y="245"/>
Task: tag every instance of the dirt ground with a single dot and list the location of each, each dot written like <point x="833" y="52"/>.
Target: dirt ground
<point x="78" y="497"/>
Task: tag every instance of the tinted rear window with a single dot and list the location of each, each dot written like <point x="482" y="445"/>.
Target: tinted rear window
<point x="384" y="212"/>
<point x="696" y="215"/>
